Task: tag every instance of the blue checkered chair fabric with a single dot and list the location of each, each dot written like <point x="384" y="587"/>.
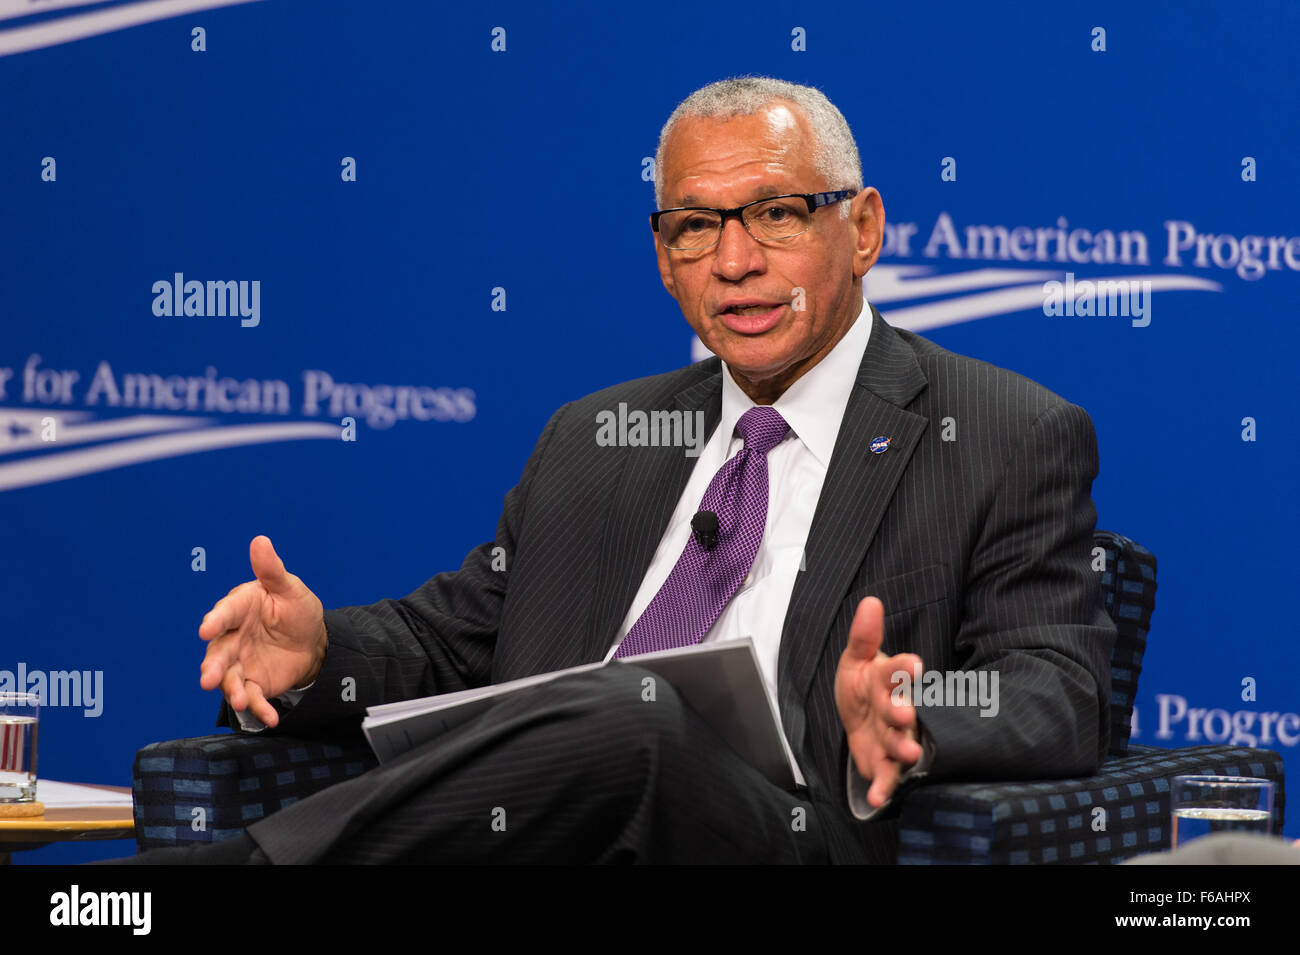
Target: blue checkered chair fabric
<point x="209" y="788"/>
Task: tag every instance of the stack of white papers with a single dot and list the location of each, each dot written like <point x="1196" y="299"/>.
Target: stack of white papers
<point x="58" y="795"/>
<point x="720" y="681"/>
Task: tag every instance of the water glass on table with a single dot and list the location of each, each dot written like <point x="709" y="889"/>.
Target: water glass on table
<point x="19" y="715"/>
<point x="1205" y="804"/>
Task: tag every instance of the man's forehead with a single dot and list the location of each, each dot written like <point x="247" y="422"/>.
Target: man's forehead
<point x="775" y="119"/>
<point x="757" y="155"/>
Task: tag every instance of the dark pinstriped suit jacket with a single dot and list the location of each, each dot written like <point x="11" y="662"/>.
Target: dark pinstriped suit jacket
<point x="979" y="548"/>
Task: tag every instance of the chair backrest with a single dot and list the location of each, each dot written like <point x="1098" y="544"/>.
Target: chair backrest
<point x="1128" y="585"/>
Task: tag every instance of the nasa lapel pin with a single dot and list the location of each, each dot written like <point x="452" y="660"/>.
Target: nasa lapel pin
<point x="879" y="444"/>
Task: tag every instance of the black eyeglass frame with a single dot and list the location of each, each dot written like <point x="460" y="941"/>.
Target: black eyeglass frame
<point x="815" y="201"/>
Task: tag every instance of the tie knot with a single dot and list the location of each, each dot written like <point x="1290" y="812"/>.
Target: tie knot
<point x="762" y="427"/>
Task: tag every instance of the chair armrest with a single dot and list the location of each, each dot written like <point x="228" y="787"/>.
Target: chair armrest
<point x="210" y="788"/>
<point x="1059" y="820"/>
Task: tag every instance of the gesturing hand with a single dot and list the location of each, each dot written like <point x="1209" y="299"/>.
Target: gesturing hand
<point x="264" y="637"/>
<point x="882" y="734"/>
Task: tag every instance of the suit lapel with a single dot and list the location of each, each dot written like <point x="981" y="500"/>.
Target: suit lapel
<point x="650" y="488"/>
<point x="857" y="491"/>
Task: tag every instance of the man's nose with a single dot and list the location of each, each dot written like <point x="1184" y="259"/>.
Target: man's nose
<point x="738" y="253"/>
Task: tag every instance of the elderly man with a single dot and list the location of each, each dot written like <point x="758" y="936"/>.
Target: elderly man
<point x="884" y="507"/>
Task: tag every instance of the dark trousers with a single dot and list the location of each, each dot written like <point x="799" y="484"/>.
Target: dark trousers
<point x="581" y="769"/>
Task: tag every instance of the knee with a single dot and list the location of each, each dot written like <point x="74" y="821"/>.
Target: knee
<point x="633" y="704"/>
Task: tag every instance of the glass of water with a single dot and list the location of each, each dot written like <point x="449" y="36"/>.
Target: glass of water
<point x="19" y="713"/>
<point x="1206" y="804"/>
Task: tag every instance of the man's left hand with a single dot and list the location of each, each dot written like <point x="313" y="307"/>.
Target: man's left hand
<point x="882" y="733"/>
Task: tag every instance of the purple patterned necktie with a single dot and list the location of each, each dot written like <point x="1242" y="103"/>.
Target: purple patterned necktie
<point x="704" y="580"/>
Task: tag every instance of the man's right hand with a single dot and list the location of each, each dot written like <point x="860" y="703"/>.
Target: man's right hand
<point x="264" y="637"/>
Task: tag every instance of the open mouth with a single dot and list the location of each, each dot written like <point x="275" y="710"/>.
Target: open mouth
<point x="752" y="319"/>
<point x="749" y="311"/>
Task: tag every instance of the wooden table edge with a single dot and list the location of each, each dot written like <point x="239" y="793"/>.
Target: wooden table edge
<point x="96" y="822"/>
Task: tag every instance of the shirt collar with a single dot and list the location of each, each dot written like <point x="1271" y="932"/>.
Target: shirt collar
<point x="814" y="405"/>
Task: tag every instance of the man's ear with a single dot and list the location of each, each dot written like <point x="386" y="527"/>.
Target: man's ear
<point x="867" y="215"/>
<point x="665" y="271"/>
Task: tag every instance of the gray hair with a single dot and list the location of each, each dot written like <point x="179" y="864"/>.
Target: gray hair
<point x="837" y="153"/>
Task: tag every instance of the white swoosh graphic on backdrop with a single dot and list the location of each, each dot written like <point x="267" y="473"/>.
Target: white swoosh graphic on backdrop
<point x="918" y="318"/>
<point x="27" y="8"/>
<point x="68" y="431"/>
<point x="79" y="26"/>
<point x="889" y="283"/>
<point x="69" y="464"/>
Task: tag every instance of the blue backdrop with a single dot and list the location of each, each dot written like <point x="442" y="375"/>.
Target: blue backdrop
<point x="379" y="180"/>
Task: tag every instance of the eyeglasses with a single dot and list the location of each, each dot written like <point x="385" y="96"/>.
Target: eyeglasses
<point x="695" y="228"/>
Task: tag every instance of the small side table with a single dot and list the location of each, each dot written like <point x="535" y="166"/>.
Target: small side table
<point x="66" y="824"/>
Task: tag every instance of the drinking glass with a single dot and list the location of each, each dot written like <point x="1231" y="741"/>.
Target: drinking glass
<point x="1205" y="804"/>
<point x="19" y="716"/>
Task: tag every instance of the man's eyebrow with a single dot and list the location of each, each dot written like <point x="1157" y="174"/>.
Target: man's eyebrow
<point x="690" y="199"/>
